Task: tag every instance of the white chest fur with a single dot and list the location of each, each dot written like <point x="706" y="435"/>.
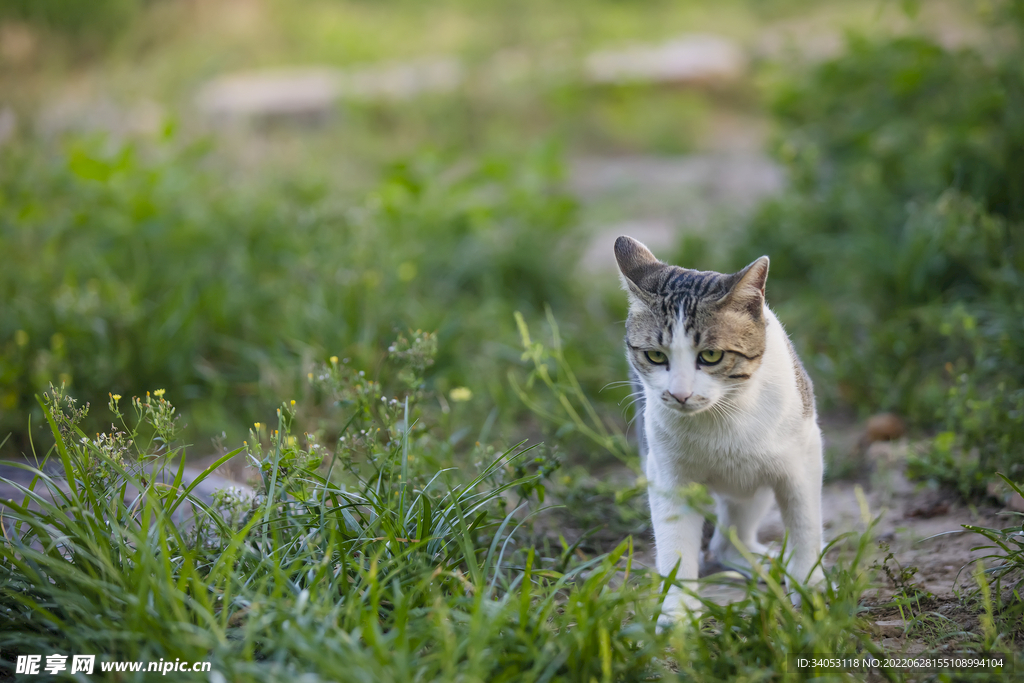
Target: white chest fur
<point x="759" y="437"/>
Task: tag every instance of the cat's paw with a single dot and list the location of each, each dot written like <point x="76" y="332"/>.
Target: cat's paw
<point x="679" y="608"/>
<point x="816" y="582"/>
<point x="730" y="559"/>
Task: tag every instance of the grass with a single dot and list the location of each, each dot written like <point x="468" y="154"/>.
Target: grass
<point x="399" y="529"/>
<point x="1003" y="580"/>
<point x="227" y="295"/>
<point x="356" y="559"/>
<point x="378" y="567"/>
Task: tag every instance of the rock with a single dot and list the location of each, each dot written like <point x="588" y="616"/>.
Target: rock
<point x="17" y="42"/>
<point x="883" y="427"/>
<point x="890" y="629"/>
<point x="1005" y="495"/>
<point x="311" y="93"/>
<point x="304" y="93"/>
<point x="203" y="491"/>
<point x="658" y="234"/>
<point x="657" y="200"/>
<point x="928" y="505"/>
<point x="79" y="113"/>
<point x="693" y="59"/>
<point x="400" y="81"/>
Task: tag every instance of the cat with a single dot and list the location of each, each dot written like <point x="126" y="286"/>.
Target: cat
<point x="725" y="403"/>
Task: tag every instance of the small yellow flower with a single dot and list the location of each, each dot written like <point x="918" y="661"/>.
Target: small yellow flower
<point x="334" y="360"/>
<point x="257" y="425"/>
<point x="407" y="271"/>
<point x="293" y="402"/>
<point x="159" y="393"/>
<point x="116" y="397"/>
<point x="309" y="376"/>
<point x="460" y="394"/>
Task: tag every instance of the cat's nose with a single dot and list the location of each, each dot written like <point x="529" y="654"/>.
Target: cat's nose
<point x="680" y="397"/>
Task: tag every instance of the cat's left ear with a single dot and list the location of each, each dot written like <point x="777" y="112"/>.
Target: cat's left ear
<point x="747" y="287"/>
<point x="638" y="267"/>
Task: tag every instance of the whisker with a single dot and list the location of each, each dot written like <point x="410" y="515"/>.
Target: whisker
<point x="636" y="395"/>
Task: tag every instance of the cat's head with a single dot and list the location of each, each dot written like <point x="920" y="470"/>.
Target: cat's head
<point x="693" y="337"/>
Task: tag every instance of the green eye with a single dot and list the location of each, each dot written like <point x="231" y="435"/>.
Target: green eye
<point x="656" y="357"/>
<point x="709" y="357"/>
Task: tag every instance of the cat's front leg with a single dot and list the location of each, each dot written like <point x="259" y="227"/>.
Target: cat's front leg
<point x="799" y="498"/>
<point x="677" y="536"/>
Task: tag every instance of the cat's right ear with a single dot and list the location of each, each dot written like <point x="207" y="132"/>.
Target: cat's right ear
<point x="636" y="266"/>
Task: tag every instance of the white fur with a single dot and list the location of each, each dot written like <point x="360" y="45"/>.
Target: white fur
<point x="744" y="442"/>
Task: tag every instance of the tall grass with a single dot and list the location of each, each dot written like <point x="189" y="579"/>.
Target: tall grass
<point x="367" y="566"/>
<point x="355" y="558"/>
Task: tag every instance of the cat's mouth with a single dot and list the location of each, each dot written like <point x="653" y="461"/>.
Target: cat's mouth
<point x="692" y="405"/>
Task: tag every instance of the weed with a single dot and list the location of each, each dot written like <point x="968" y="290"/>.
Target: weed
<point x="1005" y="574"/>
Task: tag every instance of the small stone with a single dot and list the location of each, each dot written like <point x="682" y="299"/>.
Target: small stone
<point x="883" y="427"/>
<point x="18" y="42"/>
<point x="1005" y="495"/>
<point x="928" y="505"/>
<point x="890" y="629"/>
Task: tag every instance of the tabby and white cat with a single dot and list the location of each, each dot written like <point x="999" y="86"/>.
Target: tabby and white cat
<point x="727" y="404"/>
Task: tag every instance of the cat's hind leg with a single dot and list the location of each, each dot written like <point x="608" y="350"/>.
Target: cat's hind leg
<point x="799" y="500"/>
<point x="745" y="515"/>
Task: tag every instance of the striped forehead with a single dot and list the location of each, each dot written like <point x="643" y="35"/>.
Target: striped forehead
<point x="683" y="293"/>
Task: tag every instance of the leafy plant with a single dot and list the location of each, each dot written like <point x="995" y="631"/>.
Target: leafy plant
<point x="896" y="250"/>
<point x="131" y="266"/>
<point x="1001" y="583"/>
<point x="355" y="558"/>
<point x="572" y="409"/>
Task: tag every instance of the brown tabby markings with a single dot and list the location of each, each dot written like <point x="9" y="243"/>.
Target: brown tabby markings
<point x="715" y="310"/>
<point x="803" y="382"/>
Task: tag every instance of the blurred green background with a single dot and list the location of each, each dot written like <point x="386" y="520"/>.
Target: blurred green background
<point x="210" y="197"/>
